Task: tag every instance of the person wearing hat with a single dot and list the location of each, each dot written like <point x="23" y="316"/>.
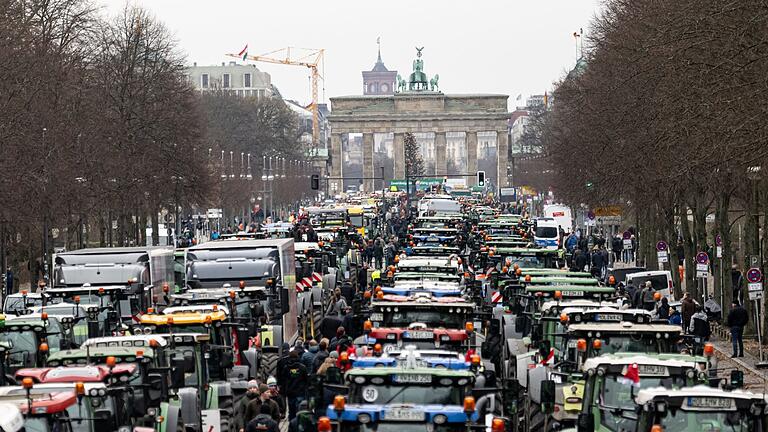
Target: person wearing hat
<point x="239" y="416"/>
<point x="276" y="397"/>
<point x="263" y="397"/>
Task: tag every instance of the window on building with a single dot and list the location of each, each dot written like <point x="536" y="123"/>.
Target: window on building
<point x="225" y="81"/>
<point x="261" y="94"/>
<point x="204" y="81"/>
<point x="246" y="80"/>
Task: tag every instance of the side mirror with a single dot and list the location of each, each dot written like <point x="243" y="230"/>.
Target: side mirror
<point x="257" y="310"/>
<point x="585" y="422"/>
<point x="155" y="389"/>
<point x="185" y="364"/>
<point x="104" y="420"/>
<point x="243" y="339"/>
<point x="226" y="360"/>
<point x="284" y="304"/>
<point x="177" y="378"/>
<point x="548" y="396"/>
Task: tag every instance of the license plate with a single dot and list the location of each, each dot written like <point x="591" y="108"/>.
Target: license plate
<point x="709" y="402"/>
<point x="405" y="414"/>
<point x="652" y="370"/>
<point x="428" y="269"/>
<point x="377" y="316"/>
<point x="421" y="335"/>
<point x="573" y="293"/>
<point x="412" y="379"/>
<point x="609" y="317"/>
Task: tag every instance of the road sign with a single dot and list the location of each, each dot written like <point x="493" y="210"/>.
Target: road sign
<point x="754" y="275"/>
<point x="718" y="240"/>
<point x="663" y="256"/>
<point x="755" y="286"/>
<point x="591" y="215"/>
<point x="213" y="213"/>
<point x="661" y="245"/>
<point x="702" y="258"/>
<point x="755" y="295"/>
<point x="627" y="235"/>
<point x="719" y="251"/>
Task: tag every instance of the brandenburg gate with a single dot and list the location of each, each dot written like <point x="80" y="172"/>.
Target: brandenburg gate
<point x="441" y="121"/>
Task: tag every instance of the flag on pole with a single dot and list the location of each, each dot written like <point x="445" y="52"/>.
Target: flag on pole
<point x="244" y="52"/>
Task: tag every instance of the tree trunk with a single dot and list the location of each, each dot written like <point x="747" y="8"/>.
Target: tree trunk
<point x="155" y="226"/>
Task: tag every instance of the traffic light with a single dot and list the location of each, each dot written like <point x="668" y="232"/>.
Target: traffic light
<point x="481" y="178"/>
<point x="315" y="182"/>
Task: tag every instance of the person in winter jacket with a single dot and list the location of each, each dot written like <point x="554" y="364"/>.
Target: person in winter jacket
<point x="308" y="358"/>
<point x="699" y="325"/>
<point x="262" y="397"/>
<point x="663" y="309"/>
<point x="688" y="308"/>
<point x="329" y="362"/>
<point x="647" y="297"/>
<point x="674" y="316"/>
<point x="737" y="320"/>
<point x="322" y="354"/>
<point x="262" y="422"/>
<point x="296" y="381"/>
<point x="341" y="342"/>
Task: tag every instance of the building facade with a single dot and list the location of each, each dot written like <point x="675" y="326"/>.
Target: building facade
<point x="240" y="79"/>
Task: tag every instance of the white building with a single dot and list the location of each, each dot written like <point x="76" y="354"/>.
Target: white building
<point x="240" y="79"/>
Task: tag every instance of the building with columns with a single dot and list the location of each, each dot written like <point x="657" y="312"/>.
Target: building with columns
<point x="457" y="133"/>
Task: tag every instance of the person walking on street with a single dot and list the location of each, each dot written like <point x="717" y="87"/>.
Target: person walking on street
<point x="688" y="308"/>
<point x="378" y="252"/>
<point x="737" y="320"/>
<point x="322" y="354"/>
<point x="296" y="381"/>
<point x="737" y="284"/>
<point x="308" y="358"/>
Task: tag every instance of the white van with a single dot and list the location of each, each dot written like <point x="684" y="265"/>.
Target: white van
<point x="546" y="233"/>
<point x="661" y="280"/>
<point x="561" y="214"/>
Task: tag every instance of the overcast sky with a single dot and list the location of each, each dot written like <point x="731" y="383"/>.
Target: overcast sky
<point x="483" y="46"/>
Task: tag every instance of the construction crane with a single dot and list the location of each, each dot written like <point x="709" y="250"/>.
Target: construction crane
<point x="308" y="57"/>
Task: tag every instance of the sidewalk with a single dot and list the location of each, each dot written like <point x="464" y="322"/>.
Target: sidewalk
<point x="754" y="379"/>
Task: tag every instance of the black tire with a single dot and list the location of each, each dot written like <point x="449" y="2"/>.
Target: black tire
<point x="268" y="365"/>
<point x="317" y="316"/>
